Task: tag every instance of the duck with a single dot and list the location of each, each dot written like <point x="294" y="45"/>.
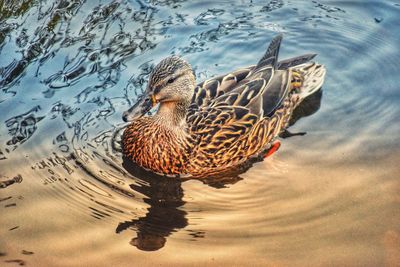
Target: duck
<point x="220" y="123"/>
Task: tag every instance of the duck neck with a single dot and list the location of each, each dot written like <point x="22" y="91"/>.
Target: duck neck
<point x="172" y="113"/>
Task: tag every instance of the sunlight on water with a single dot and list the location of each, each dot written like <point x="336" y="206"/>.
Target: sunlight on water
<point x="68" y="69"/>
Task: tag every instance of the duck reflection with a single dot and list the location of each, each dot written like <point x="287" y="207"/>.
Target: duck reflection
<point x="307" y="107"/>
<point x="165" y="195"/>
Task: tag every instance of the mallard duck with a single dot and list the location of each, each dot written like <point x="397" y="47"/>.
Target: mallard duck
<point x="220" y="123"/>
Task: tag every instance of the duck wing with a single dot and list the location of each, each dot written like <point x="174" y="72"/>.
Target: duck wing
<point x="233" y="116"/>
<point x="260" y="88"/>
<point x="209" y="90"/>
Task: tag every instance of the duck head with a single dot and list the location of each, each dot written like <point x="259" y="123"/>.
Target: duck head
<point x="171" y="84"/>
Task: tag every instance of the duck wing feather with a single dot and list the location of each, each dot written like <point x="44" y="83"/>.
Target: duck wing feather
<point x="234" y="116"/>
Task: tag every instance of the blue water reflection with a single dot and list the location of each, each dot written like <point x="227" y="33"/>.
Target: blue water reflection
<point x="69" y="68"/>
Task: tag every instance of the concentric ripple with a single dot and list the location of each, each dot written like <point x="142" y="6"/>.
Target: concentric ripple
<point x="69" y="69"/>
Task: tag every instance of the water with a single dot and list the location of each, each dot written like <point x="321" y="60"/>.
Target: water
<point x="68" y="69"/>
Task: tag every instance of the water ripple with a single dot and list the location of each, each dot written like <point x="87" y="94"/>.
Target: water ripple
<point x="69" y="69"/>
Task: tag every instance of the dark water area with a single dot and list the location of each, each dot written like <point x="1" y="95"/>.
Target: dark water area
<point x="68" y="69"/>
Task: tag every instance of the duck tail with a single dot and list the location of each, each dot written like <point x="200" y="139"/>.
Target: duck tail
<point x="313" y="75"/>
<point x="271" y="55"/>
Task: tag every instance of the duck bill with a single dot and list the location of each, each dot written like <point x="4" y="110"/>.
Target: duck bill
<point x="144" y="104"/>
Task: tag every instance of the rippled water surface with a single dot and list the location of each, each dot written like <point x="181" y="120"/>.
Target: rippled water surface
<point x="68" y="69"/>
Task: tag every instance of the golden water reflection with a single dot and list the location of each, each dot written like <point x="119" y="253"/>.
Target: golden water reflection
<point x="328" y="197"/>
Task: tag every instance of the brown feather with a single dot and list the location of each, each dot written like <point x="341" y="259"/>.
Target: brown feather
<point x="230" y="120"/>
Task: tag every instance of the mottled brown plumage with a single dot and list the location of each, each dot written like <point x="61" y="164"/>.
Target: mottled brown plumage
<point x="221" y="123"/>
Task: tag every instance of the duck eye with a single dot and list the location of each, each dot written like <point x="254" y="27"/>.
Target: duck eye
<point x="171" y="80"/>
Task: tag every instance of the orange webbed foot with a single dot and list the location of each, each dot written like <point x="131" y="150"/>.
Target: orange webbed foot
<point x="274" y="147"/>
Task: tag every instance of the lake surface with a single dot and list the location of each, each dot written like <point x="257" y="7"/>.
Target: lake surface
<point x="68" y="69"/>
